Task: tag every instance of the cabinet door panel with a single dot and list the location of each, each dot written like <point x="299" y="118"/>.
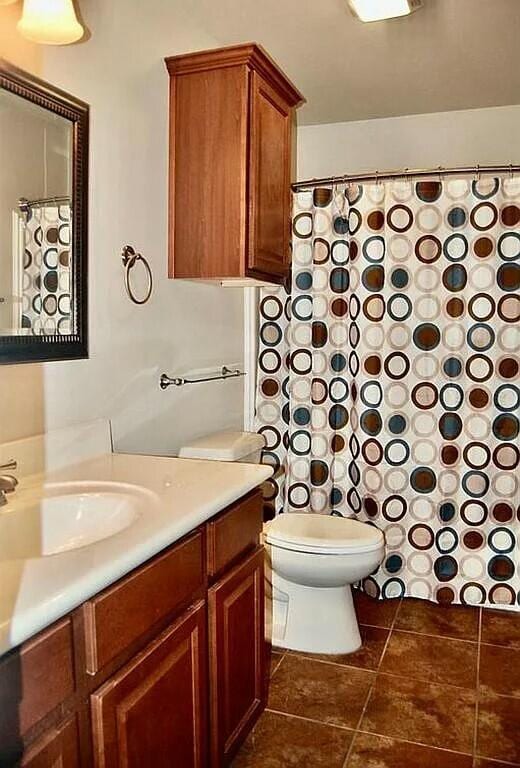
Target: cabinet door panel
<point x="269" y="180"/>
<point x="153" y="712"/>
<point x="237" y="656"/>
<point x="56" y="749"/>
<point x="208" y="135"/>
<point x="35" y="679"/>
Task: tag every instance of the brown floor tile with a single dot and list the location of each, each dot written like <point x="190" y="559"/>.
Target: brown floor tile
<point x="441" y="620"/>
<point x="279" y="741"/>
<point x="368" y="656"/>
<point x="500" y="670"/>
<point x="276" y="658"/>
<point x="326" y="692"/>
<point x="501" y="628"/>
<point x="498" y="734"/>
<point x="378" y="752"/>
<point x="481" y="762"/>
<point x="377" y="613"/>
<point x="435" y="715"/>
<point x="432" y="659"/>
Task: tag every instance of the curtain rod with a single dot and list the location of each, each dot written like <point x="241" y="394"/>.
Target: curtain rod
<point x="24" y="205"/>
<point x="405" y="173"/>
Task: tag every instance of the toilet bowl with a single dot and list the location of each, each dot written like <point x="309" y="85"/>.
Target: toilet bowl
<point x="314" y="560"/>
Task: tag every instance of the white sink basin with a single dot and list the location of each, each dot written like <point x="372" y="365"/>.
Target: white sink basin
<point x="68" y="516"/>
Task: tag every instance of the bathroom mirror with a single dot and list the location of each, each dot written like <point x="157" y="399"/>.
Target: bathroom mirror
<point x="43" y="220"/>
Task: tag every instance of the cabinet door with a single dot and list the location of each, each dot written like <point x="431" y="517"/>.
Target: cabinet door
<point x="153" y="712"/>
<point x="35" y="679"/>
<point x="269" y="181"/>
<point x="237" y="656"/>
<point x="56" y="749"/>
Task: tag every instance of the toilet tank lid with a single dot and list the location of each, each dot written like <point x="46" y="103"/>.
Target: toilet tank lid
<point x="322" y="532"/>
<point x="223" y="446"/>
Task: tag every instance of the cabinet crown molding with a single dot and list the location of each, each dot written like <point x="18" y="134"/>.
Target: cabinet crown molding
<point x="249" y="54"/>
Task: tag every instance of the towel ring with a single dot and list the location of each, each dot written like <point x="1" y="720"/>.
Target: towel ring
<point x="129" y="258"/>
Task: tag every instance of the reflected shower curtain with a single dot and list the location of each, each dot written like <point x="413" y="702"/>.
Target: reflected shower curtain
<point x="45" y="290"/>
<point x="388" y="379"/>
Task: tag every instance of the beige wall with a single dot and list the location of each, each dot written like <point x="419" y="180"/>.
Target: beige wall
<point x="418" y="141"/>
<point x="21" y="387"/>
<point x="120" y="72"/>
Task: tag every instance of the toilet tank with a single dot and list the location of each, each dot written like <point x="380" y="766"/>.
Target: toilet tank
<point x="226" y="446"/>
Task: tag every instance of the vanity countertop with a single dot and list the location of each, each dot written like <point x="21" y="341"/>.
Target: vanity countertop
<point x="176" y="496"/>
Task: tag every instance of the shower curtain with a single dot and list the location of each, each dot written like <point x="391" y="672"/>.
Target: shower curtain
<point x="388" y="379"/>
<point x="45" y="289"/>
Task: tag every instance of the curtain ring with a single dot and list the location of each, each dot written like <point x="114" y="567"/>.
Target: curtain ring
<point x="129" y="257"/>
<point x="340" y="207"/>
<point x="334" y="186"/>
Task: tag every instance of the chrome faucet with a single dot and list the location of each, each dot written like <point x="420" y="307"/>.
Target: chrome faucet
<point x="7" y="482"/>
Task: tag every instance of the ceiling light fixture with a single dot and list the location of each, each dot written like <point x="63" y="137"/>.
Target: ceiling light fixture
<point x="377" y="10"/>
<point x="50" y="22"/>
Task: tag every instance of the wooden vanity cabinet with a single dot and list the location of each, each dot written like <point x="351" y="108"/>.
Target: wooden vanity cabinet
<point x="232" y="118"/>
<point x="153" y="711"/>
<point x="237" y="656"/>
<point x="58" y="748"/>
<point x="165" y="667"/>
<point x="37" y="686"/>
<point x="116" y="619"/>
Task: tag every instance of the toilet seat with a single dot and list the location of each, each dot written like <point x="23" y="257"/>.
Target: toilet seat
<point x="322" y="534"/>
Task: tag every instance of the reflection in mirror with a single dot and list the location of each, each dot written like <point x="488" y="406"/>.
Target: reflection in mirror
<point x="43" y="220"/>
<point x="35" y="220"/>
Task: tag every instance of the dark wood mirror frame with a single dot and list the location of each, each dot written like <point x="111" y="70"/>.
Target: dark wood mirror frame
<point x="30" y="349"/>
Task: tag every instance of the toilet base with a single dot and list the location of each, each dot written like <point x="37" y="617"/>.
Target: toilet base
<point x="314" y="619"/>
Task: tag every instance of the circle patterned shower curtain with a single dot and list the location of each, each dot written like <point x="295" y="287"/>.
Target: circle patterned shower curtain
<point x="388" y="379"/>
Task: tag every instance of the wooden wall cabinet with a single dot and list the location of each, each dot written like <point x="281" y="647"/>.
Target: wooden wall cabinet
<point x="232" y="117"/>
<point x="122" y="682"/>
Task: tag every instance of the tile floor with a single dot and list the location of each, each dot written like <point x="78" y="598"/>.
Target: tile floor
<point x="433" y="687"/>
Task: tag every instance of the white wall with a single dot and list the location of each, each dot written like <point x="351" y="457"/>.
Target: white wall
<point x="417" y="141"/>
<point x="120" y="72"/>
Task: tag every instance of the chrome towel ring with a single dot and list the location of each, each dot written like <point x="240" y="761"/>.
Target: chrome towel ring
<point x="129" y="258"/>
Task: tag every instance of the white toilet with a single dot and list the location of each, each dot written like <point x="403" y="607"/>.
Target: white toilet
<point x="313" y="561"/>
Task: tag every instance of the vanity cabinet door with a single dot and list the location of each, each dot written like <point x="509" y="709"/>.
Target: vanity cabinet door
<point x="271" y="125"/>
<point x="56" y="749"/>
<point x="153" y="712"/>
<point x="237" y="656"/>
